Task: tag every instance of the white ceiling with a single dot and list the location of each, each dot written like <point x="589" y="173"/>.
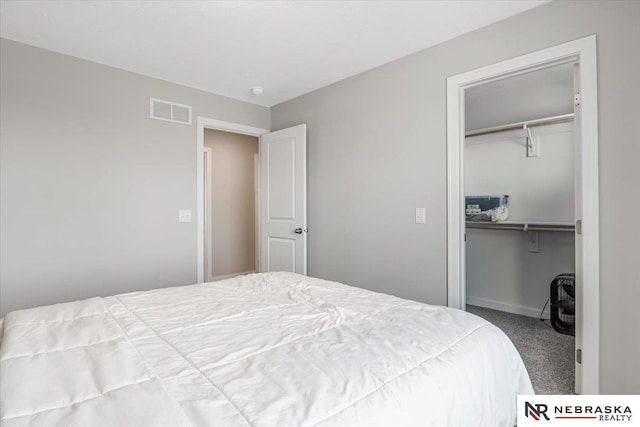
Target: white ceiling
<point x="288" y="47"/>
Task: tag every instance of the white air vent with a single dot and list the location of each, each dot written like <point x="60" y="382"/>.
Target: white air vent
<point x="170" y="111"/>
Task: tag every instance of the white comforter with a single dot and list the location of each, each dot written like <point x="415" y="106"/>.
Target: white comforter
<point x="275" y="349"/>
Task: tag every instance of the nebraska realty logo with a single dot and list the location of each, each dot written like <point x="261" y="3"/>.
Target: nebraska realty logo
<point x="585" y="410"/>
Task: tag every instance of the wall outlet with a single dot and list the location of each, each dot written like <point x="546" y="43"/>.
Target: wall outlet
<point x="421" y="216"/>
<point x="184" y="215"/>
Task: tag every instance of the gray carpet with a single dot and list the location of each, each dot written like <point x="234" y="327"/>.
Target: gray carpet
<point x="547" y="354"/>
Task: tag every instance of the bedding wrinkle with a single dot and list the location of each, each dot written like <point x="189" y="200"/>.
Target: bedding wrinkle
<point x="487" y="403"/>
<point x="287" y="340"/>
<point x="370" y="372"/>
<point x="286" y="343"/>
<point x="172" y="305"/>
<point x="222" y="319"/>
<point x="216" y="386"/>
<point x="175" y="371"/>
<point x="198" y="293"/>
<point x="49" y="322"/>
<point x="402" y="374"/>
<point x="77" y="402"/>
<point x="148" y="369"/>
<point x="335" y="319"/>
<point x="58" y="350"/>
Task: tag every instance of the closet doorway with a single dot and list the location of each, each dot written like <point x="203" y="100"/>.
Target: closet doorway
<point x="231" y="200"/>
<point x="540" y="222"/>
<point x="519" y="181"/>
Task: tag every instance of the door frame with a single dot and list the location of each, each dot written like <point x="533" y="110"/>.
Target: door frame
<point x="215" y="124"/>
<point x="583" y="51"/>
<point x="208" y="273"/>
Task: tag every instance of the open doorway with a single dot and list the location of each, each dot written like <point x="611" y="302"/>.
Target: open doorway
<point x="231" y="204"/>
<point x="519" y="181"/>
<point x="281" y="199"/>
<point x="582" y="54"/>
<point x="204" y="272"/>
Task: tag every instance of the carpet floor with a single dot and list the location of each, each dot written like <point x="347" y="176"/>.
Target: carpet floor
<point x="547" y="354"/>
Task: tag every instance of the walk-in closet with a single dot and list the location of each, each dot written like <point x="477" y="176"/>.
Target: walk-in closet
<point x="520" y="197"/>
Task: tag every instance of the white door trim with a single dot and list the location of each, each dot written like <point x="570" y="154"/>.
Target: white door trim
<point x="583" y="50"/>
<point x="202" y="124"/>
<point x="256" y="198"/>
<point x="208" y="274"/>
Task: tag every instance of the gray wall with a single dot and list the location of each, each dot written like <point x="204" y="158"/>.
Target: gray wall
<point x="90" y="185"/>
<point x="377" y="150"/>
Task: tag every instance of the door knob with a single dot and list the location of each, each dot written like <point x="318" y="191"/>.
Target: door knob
<point x="300" y="230"/>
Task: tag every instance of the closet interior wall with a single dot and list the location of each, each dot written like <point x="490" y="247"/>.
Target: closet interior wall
<point x="503" y="270"/>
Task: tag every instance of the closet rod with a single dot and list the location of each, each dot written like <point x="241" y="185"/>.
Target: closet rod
<point x="521" y="227"/>
<point x="565" y="118"/>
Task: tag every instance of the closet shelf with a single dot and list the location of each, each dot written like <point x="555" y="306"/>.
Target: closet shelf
<point x="522" y="226"/>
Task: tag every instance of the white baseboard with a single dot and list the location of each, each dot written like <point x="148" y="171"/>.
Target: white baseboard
<point x="509" y="308"/>
<point x="228" y="276"/>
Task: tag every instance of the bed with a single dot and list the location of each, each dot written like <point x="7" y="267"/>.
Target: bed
<point x="269" y="349"/>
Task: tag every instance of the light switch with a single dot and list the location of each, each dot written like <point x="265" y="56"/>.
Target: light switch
<point x="184" y="215"/>
<point x="421" y="216"/>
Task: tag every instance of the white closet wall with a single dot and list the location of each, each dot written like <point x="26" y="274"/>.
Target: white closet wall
<point x="501" y="272"/>
<point x="540" y="188"/>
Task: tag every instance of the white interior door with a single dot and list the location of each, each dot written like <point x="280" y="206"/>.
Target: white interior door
<point x="579" y="288"/>
<point x="283" y="200"/>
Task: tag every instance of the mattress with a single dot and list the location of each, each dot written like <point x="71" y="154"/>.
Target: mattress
<point x="270" y="349"/>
